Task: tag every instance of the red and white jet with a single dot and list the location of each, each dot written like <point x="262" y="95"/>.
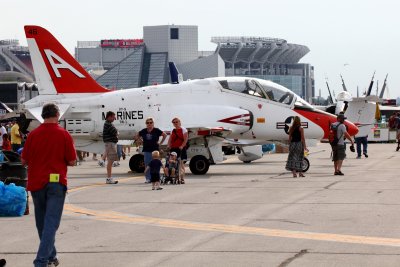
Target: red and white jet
<point x="238" y="110"/>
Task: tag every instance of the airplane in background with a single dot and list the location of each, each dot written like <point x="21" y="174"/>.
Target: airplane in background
<point x="362" y="111"/>
<point x="238" y="110"/>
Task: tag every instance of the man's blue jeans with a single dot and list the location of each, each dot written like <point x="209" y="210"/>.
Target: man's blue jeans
<point x="49" y="203"/>
<point x="147" y="159"/>
<point x="361" y="141"/>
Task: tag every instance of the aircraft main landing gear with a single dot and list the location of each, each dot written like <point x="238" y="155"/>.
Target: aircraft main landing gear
<point x="199" y="165"/>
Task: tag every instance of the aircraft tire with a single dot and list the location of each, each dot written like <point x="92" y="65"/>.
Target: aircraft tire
<point x="247" y="161"/>
<point x="136" y="163"/>
<point x="306" y="164"/>
<point x="199" y="165"/>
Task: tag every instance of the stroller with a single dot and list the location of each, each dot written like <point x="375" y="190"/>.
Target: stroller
<point x="171" y="174"/>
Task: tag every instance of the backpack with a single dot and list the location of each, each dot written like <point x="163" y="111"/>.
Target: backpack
<point x="332" y="137"/>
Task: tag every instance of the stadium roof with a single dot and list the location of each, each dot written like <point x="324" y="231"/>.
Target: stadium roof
<point x="262" y="50"/>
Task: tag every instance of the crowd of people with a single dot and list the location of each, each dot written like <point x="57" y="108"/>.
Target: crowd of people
<point x="12" y="139"/>
<point x="47" y="172"/>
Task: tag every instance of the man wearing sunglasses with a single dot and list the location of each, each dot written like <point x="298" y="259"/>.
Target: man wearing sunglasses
<point x="149" y="137"/>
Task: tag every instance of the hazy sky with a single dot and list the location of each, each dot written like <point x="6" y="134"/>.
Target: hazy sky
<point x="352" y="38"/>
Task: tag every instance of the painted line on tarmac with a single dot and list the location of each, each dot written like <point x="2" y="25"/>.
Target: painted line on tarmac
<point x="111" y="216"/>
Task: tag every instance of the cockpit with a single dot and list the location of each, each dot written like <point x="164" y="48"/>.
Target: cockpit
<point x="259" y="88"/>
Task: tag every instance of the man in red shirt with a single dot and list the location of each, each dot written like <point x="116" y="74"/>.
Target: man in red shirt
<point x="48" y="151"/>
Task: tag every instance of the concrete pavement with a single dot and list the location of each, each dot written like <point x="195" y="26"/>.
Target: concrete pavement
<point x="237" y="215"/>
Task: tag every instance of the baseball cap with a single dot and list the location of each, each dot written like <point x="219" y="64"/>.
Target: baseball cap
<point x="174" y="153"/>
<point x="341" y="116"/>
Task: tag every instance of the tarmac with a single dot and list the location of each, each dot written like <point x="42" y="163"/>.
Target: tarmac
<point x="237" y="214"/>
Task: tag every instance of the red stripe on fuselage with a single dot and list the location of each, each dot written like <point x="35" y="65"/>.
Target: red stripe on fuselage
<point x="324" y="120"/>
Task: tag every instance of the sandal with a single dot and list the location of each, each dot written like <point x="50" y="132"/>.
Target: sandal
<point x="294" y="175"/>
<point x="301" y="175"/>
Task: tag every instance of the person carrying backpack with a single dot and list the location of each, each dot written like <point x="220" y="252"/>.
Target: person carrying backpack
<point x="338" y="149"/>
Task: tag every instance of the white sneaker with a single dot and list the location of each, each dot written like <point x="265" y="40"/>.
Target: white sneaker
<point x="101" y="163"/>
<point x="116" y="164"/>
<point x="111" y="181"/>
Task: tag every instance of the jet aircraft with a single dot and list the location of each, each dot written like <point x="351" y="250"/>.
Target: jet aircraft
<point x="239" y="110"/>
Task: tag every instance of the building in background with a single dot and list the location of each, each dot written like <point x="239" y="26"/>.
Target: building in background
<point x="145" y="62"/>
<point x="130" y="63"/>
<point x="270" y="59"/>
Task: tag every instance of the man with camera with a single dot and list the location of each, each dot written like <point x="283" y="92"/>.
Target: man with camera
<point x="339" y="150"/>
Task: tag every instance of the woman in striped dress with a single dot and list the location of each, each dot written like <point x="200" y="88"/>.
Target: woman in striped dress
<point x="296" y="148"/>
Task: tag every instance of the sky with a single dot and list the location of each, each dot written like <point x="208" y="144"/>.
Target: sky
<point x="353" y="38"/>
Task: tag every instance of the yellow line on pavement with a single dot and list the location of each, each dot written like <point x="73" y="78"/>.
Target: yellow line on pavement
<point x="236" y="229"/>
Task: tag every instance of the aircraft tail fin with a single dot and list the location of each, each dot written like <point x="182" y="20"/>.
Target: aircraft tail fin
<point x="176" y="76"/>
<point x="56" y="71"/>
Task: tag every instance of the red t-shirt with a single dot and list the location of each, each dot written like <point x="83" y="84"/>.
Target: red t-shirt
<point x="47" y="150"/>
<point x="6" y="145"/>
<point x="177" y="137"/>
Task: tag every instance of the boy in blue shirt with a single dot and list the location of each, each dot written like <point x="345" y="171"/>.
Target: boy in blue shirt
<point x="154" y="167"/>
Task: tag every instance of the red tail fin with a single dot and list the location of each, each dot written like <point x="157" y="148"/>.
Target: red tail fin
<point x="56" y="71"/>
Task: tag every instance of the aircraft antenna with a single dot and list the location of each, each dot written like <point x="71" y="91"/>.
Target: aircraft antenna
<point x="329" y="90"/>
<point x="343" y="84"/>
<point x="371" y="84"/>
<point x="383" y="87"/>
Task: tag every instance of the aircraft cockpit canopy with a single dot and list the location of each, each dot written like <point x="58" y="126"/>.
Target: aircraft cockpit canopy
<point x="302" y="103"/>
<point x="248" y="86"/>
<point x="259" y="88"/>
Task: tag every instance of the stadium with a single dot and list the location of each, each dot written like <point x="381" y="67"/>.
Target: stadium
<point x="129" y="63"/>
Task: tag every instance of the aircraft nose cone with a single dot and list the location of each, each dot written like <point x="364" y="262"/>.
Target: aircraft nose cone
<point x="351" y="128"/>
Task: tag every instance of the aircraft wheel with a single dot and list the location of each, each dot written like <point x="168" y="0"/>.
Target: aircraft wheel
<point x="199" y="165"/>
<point x="136" y="163"/>
<point x="306" y="164"/>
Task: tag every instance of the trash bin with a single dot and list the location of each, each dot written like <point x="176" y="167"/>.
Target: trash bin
<point x="12" y="171"/>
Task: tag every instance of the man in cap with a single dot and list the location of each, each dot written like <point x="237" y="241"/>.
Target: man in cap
<point x="339" y="151"/>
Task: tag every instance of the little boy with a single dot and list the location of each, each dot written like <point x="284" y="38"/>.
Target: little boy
<point x="172" y="165"/>
<point x="154" y="167"/>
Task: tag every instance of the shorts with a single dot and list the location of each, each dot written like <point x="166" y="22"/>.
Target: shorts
<point x="111" y="151"/>
<point x="155" y="177"/>
<point x="338" y="152"/>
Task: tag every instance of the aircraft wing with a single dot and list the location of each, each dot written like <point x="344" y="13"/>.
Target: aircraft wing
<point x="6" y="112"/>
<point x="208" y="131"/>
<point x="36" y="112"/>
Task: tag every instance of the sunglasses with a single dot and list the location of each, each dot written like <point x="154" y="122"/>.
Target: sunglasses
<point x="149" y="122"/>
<point x="175" y="121"/>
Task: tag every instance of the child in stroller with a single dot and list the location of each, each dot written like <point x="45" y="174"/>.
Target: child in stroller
<point x="171" y="169"/>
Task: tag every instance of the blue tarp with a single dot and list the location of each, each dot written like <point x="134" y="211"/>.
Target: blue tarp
<point x="12" y="200"/>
